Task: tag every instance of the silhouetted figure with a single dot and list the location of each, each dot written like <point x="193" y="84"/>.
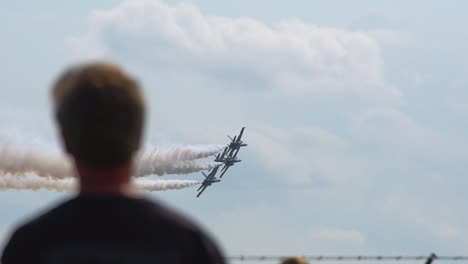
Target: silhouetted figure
<point x="100" y="112"/>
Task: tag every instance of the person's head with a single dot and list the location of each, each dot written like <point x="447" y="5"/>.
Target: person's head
<point x="100" y="113"/>
<point x="294" y="260"/>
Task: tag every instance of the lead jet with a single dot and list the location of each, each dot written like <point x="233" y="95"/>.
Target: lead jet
<point x="209" y="179"/>
<point x="236" y="143"/>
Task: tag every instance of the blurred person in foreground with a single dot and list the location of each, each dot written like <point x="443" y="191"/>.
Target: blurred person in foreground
<point x="294" y="260"/>
<point x="100" y="113"/>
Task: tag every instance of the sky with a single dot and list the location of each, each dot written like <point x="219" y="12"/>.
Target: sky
<point x="355" y="112"/>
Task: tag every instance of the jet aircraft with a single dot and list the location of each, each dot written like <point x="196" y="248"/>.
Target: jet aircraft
<point x="236" y="143"/>
<point x="229" y="155"/>
<point x="227" y="160"/>
<point x="209" y="179"/>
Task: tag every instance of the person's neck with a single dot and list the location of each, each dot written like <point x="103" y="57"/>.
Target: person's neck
<point x="105" y="181"/>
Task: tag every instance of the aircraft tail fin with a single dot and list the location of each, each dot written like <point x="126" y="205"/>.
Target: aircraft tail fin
<point x="240" y="134"/>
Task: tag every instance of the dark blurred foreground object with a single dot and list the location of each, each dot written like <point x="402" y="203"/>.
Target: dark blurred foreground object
<point x="431" y="258"/>
<point x="100" y="114"/>
<point x="295" y="260"/>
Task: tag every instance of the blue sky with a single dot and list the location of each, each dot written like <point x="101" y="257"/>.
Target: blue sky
<point x="355" y="112"/>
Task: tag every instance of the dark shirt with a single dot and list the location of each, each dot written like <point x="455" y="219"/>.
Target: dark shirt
<point x="110" y="229"/>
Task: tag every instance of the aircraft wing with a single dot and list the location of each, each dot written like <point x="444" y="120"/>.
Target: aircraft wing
<point x="213" y="172"/>
<point x="235" y="154"/>
<point x="202" y="190"/>
<point x="231" y="151"/>
<point x="226" y="150"/>
<point x="202" y="185"/>
<point x="240" y="134"/>
<point x="224" y="170"/>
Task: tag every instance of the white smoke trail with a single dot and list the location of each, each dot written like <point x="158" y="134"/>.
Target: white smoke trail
<point x="176" y="160"/>
<point x="33" y="182"/>
<point x="181" y="153"/>
<point x="18" y="159"/>
<point x="163" y="185"/>
<point x="154" y="167"/>
<point x="21" y="159"/>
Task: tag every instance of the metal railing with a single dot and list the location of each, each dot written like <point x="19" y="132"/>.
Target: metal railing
<point x="428" y="259"/>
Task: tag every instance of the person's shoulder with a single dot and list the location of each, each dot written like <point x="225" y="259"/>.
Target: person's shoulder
<point x="44" y="218"/>
<point x="170" y="216"/>
<point x="27" y="234"/>
<point x="202" y="246"/>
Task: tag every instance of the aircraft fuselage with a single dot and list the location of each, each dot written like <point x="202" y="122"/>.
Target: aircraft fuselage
<point x="228" y="160"/>
<point x="231" y="162"/>
<point x="235" y="145"/>
<point x="209" y="182"/>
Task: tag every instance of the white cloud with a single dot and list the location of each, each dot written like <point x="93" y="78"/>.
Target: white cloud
<point x="399" y="132"/>
<point x="390" y="37"/>
<point x="306" y="155"/>
<point x="290" y="56"/>
<point x="447" y="231"/>
<point x="276" y="235"/>
<point x="340" y="235"/>
<point x="459" y="107"/>
<point x="425" y="214"/>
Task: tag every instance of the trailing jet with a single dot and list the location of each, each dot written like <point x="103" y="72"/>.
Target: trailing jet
<point x="236" y="143"/>
<point x="227" y="165"/>
<point x="209" y="179"/>
<point x="222" y="156"/>
<point x="227" y="160"/>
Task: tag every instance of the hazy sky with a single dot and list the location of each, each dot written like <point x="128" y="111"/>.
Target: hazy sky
<point x="355" y="112"/>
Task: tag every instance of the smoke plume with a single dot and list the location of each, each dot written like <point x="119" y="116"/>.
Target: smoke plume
<point x="181" y="153"/>
<point x="163" y="185"/>
<point x="21" y="159"/>
<point x="34" y="182"/>
<point x="153" y="167"/>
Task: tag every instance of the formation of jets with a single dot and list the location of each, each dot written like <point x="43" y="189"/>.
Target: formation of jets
<point x="228" y="158"/>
